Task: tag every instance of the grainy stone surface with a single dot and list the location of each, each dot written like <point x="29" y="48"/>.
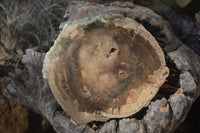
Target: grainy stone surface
<point x="158" y="116"/>
<point x="131" y="126"/>
<point x="188" y="84"/>
<point x="190" y="34"/>
<point x="110" y="127"/>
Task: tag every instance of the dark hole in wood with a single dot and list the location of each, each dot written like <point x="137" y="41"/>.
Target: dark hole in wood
<point x="111" y="51"/>
<point x="122" y="74"/>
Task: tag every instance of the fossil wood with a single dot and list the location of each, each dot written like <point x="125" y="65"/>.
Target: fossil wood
<point x="26" y="86"/>
<point x="104" y="67"/>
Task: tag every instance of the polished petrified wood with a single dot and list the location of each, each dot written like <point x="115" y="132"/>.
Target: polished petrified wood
<point x="104" y="67"/>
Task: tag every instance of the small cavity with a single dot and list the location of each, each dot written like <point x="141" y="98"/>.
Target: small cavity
<point x="112" y="51"/>
<point x="122" y="74"/>
<point x="95" y="125"/>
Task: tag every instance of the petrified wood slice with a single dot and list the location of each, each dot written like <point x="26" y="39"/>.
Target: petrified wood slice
<point x="104" y="67"/>
<point x="26" y="86"/>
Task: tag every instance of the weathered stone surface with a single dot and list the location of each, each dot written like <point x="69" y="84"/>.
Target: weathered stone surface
<point x="186" y="60"/>
<point x="110" y="127"/>
<point x="188" y="84"/>
<point x="131" y="126"/>
<point x="180" y="107"/>
<point x="190" y="34"/>
<point x="159" y="116"/>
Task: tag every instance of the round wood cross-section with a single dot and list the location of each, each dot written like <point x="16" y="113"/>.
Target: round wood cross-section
<point x="104" y="67"/>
